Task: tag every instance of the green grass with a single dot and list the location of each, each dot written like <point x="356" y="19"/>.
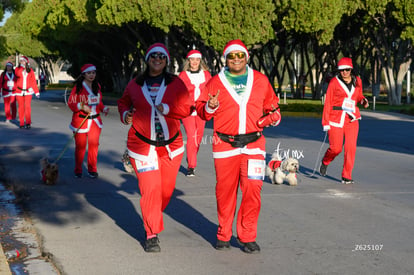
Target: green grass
<point x="59" y="86"/>
<point x="384" y="107"/>
<point x="315" y="106"/>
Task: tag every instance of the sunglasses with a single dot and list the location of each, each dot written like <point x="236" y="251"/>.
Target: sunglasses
<point x="158" y="55"/>
<point x="240" y="55"/>
<point x="345" y="70"/>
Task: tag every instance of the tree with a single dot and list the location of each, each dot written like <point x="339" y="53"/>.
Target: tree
<point x="310" y="26"/>
<point x="389" y="29"/>
<point x="114" y="34"/>
<point x="8" y="6"/>
<point x="20" y="37"/>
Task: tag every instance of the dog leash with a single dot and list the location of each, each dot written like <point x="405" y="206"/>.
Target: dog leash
<point x="74" y="134"/>
<point x="319" y="154"/>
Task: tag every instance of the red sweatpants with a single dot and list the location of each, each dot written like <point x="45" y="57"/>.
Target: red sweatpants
<point x="156" y="188"/>
<point x="194" y="128"/>
<point x="10" y="107"/>
<point x="90" y="138"/>
<point x="336" y="140"/>
<point x="25" y="109"/>
<point x="229" y="173"/>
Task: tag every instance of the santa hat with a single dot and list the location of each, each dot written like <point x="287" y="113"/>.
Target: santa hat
<point x="9" y="64"/>
<point x="194" y="54"/>
<point x="157" y="48"/>
<point x="235" y="45"/>
<point x="24" y="58"/>
<point x="345" y="63"/>
<point x="87" y="68"/>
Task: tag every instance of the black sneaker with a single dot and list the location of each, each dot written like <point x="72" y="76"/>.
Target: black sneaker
<point x="152" y="245"/>
<point x="190" y="172"/>
<point x="323" y="169"/>
<point x="347" y="181"/>
<point x="250" y="247"/>
<point x="222" y="245"/>
<point x="78" y="175"/>
<point x="22" y="127"/>
<point x="93" y="175"/>
<point x="28" y="126"/>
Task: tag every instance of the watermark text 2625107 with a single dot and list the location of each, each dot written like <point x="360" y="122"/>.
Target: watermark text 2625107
<point x="368" y="247"/>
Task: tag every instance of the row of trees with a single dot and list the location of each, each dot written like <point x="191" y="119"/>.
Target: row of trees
<point x="287" y="39"/>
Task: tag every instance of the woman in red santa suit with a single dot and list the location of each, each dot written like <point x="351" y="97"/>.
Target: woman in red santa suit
<point x="8" y="88"/>
<point x="154" y="102"/>
<point x="85" y="101"/>
<point x="341" y="117"/>
<point x="195" y="75"/>
<point x="242" y="102"/>
<point x="26" y="87"/>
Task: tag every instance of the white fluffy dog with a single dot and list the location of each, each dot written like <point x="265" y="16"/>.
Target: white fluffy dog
<point x="279" y="170"/>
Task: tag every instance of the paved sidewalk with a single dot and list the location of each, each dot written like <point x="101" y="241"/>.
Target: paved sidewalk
<point x="4" y="266"/>
<point x="90" y="226"/>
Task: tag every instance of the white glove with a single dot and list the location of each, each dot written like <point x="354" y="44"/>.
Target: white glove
<point x="106" y="111"/>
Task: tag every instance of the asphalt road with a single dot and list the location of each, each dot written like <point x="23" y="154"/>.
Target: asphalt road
<point x="87" y="226"/>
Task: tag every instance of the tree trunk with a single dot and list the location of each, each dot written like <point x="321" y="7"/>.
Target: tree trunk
<point x="376" y="78"/>
<point x="402" y="72"/>
<point x="391" y="86"/>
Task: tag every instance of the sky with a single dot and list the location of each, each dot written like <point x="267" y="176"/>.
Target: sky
<point x="6" y="16"/>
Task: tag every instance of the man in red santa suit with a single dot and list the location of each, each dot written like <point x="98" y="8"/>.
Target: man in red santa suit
<point x="85" y="101"/>
<point x="242" y="102"/>
<point x="154" y="102"/>
<point x="195" y="75"/>
<point x="26" y="87"/>
<point x="341" y="117"/>
<point x="8" y="89"/>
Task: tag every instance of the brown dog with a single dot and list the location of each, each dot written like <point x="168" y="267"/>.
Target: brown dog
<point x="48" y="172"/>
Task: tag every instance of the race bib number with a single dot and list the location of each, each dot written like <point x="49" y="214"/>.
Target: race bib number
<point x="93" y="100"/>
<point x="144" y="166"/>
<point x="348" y="105"/>
<point x="10" y="83"/>
<point x="256" y="169"/>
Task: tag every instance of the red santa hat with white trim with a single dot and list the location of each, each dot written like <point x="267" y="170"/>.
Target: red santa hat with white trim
<point x="24" y="58"/>
<point x="235" y="45"/>
<point x="9" y="64"/>
<point x="157" y="48"/>
<point x="88" y="68"/>
<point x="194" y="54"/>
<point x="345" y="63"/>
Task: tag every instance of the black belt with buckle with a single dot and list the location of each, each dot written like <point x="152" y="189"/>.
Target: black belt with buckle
<point x="156" y="143"/>
<point x="239" y="141"/>
<point x="90" y="117"/>
<point x="339" y="108"/>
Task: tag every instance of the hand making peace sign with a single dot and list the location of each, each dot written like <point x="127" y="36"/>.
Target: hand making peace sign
<point x="213" y="101"/>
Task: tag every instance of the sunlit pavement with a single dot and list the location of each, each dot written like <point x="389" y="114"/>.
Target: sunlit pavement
<point x="87" y="226"/>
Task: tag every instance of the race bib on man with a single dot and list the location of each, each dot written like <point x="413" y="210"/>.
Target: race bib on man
<point x="93" y="100"/>
<point x="348" y="105"/>
<point x="10" y="83"/>
<point x="144" y="166"/>
<point x="256" y="169"/>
